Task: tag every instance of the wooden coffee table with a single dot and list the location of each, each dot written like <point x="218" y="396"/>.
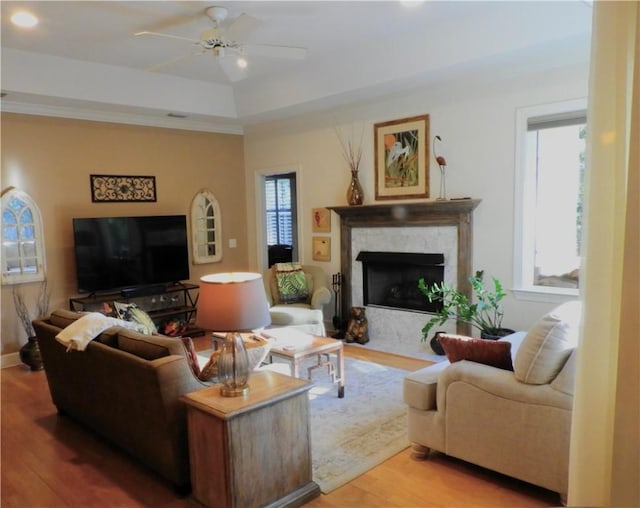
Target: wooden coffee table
<point x="295" y="352"/>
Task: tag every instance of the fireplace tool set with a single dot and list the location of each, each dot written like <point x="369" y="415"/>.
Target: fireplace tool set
<point x="339" y="324"/>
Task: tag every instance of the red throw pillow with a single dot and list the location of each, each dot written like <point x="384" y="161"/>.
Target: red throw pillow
<point x="495" y="353"/>
<point x="192" y="357"/>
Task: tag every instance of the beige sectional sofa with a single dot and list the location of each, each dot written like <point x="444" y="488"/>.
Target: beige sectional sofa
<point x="126" y="387"/>
<point x="515" y="422"/>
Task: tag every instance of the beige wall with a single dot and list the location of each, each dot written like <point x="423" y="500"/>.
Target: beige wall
<point x="476" y="118"/>
<point x="51" y="159"/>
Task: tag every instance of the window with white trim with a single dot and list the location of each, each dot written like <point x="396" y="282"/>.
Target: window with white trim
<point x="206" y="228"/>
<point x="22" y="239"/>
<point x="549" y="198"/>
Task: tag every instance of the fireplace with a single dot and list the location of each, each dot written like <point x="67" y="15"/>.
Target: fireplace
<point x="425" y="227"/>
<point x="390" y="279"/>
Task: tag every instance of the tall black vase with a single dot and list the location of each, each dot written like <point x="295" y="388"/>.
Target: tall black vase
<point x="502" y="332"/>
<point x="30" y="354"/>
<point x="435" y="344"/>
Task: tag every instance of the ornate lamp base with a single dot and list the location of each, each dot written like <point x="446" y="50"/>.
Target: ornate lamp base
<point x="239" y="391"/>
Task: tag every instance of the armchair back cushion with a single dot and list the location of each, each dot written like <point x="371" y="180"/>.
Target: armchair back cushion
<point x="547" y="345"/>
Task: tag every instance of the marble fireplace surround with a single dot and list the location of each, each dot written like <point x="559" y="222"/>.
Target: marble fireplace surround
<point x="428" y="226"/>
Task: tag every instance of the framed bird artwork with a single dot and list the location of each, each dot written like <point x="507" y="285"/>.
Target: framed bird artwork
<point x="402" y="158"/>
<point x="321" y="220"/>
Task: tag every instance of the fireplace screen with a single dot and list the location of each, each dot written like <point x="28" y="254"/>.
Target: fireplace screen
<point x="390" y="279"/>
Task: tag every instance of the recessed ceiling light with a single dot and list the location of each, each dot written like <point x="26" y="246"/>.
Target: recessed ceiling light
<point x="24" y="19"/>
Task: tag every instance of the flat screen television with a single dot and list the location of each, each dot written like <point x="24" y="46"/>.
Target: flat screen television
<point x="114" y="253"/>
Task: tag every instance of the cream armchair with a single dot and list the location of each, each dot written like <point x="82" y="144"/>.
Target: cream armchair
<point x="307" y="316"/>
<point x="515" y="422"/>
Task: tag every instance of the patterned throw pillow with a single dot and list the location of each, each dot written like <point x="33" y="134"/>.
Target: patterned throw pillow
<point x="257" y="349"/>
<point x="291" y="282"/>
<point x="489" y="352"/>
<point x="192" y="357"/>
<point x="131" y="312"/>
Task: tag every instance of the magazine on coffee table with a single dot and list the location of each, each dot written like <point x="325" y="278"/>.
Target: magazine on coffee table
<point x="287" y="337"/>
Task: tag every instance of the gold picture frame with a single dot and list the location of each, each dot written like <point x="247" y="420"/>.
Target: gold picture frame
<point x="321" y="248"/>
<point x="401" y="149"/>
<point x="321" y="220"/>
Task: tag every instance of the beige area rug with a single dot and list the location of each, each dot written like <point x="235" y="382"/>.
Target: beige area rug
<point x="352" y="435"/>
<point x="349" y="436"/>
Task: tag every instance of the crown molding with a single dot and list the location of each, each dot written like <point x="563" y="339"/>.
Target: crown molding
<point x="123" y="118"/>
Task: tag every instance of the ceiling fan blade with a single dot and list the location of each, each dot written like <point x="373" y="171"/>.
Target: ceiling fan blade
<point x="162" y="65"/>
<point x="167" y="36"/>
<point x="242" y="26"/>
<point x="171" y="22"/>
<point x="233" y="72"/>
<point x="276" y="51"/>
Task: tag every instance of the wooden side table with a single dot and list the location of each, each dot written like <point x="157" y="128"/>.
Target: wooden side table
<point x="255" y="450"/>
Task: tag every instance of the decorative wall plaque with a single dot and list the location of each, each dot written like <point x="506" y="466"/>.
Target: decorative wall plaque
<point x="119" y="188"/>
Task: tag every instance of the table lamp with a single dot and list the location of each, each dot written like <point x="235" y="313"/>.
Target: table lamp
<point x="232" y="302"/>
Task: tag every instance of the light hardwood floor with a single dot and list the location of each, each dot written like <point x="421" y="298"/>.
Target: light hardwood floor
<point x="49" y="461"/>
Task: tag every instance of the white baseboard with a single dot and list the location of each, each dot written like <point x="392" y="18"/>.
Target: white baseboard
<point x="10" y="360"/>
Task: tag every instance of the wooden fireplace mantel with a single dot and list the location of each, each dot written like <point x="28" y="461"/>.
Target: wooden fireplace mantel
<point x="456" y="212"/>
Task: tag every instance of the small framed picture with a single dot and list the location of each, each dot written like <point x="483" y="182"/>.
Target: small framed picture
<point x="321" y="220"/>
<point x="321" y="248"/>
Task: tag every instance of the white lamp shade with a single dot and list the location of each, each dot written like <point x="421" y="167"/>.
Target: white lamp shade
<point x="232" y="302"/>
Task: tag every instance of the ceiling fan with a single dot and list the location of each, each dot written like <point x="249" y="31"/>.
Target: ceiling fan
<point x="222" y="40"/>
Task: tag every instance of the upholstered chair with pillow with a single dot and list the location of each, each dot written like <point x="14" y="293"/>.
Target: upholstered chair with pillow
<point x="297" y="295"/>
<point x="504" y="405"/>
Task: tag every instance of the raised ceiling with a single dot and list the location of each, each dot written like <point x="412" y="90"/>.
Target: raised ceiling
<point x="83" y="60"/>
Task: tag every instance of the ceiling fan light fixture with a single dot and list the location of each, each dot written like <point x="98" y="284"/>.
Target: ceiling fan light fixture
<point x="218" y="52"/>
<point x="24" y="19"/>
<point x="242" y="62"/>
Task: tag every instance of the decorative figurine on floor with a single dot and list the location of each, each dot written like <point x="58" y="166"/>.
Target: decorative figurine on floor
<point x="358" y="328"/>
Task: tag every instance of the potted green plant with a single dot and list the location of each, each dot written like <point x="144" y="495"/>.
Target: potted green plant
<point x="484" y="312"/>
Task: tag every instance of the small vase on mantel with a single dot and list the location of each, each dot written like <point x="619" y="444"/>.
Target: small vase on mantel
<point x="355" y="194"/>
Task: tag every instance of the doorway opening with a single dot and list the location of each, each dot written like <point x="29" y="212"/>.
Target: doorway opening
<point x="281" y="217"/>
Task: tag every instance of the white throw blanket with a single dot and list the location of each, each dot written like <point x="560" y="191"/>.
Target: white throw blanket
<point x="82" y="331"/>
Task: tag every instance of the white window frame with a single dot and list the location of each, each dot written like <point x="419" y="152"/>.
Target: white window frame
<point x="204" y="203"/>
<point x="40" y="273"/>
<point x="524" y="227"/>
<point x="261" y="216"/>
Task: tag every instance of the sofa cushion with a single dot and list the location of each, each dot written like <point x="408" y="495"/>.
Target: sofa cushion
<point x="149" y="347"/>
<point x="257" y="350"/>
<point x="565" y="381"/>
<point x="291" y="282"/>
<point x="143" y="349"/>
<point x="548" y="344"/>
<point x="489" y="352"/>
<point x="63" y="318"/>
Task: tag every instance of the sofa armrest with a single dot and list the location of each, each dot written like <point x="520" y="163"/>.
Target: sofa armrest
<point x="320" y="298"/>
<point x="499" y="383"/>
<point x="420" y="387"/>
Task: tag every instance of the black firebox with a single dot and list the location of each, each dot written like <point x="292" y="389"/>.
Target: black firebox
<point x="390" y="279"/>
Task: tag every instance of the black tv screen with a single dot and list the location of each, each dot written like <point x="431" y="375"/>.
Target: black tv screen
<point x="125" y="252"/>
